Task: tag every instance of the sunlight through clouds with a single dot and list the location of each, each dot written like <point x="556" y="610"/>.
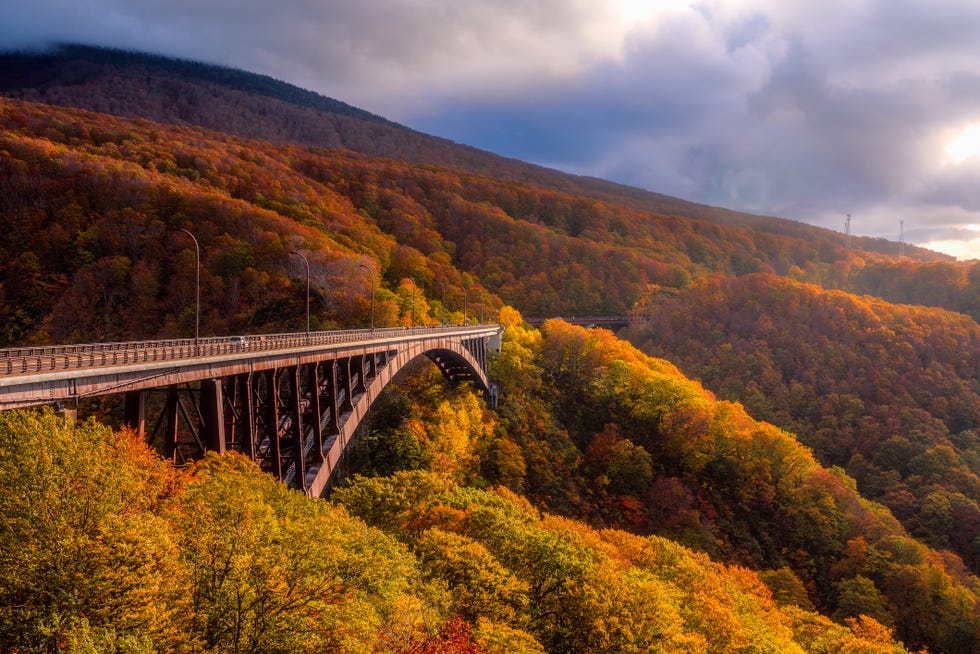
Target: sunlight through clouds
<point x="632" y="13"/>
<point x="965" y="145"/>
<point x="963" y="249"/>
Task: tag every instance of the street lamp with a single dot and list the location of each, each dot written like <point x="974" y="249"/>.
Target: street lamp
<point x="464" y="304"/>
<point x="373" y="293"/>
<point x="412" y="323"/>
<point x="443" y="320"/>
<point x="197" y="303"/>
<point x="307" y="262"/>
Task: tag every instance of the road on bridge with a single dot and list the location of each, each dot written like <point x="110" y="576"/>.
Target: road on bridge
<point x="60" y="373"/>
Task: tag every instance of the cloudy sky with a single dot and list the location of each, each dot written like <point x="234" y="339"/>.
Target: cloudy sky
<point x="806" y="109"/>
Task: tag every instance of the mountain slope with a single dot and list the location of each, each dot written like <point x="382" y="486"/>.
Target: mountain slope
<point x="255" y="106"/>
<point x="891" y="392"/>
<point x="91" y="205"/>
<point x="609" y="434"/>
<point x="108" y="549"/>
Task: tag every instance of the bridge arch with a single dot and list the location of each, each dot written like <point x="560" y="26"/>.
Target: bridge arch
<point x="454" y="360"/>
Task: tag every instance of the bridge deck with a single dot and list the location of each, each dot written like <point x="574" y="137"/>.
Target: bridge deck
<point x="59" y="373"/>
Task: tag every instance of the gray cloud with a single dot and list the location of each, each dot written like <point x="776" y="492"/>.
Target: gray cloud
<point x="806" y="109"/>
<point x="385" y="54"/>
<point x="753" y="115"/>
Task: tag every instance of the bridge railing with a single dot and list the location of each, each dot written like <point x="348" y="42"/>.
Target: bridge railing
<point x="47" y="358"/>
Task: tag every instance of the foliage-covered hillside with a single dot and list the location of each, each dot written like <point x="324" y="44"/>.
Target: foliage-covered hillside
<point x="891" y="392"/>
<point x="937" y="284"/>
<point x="105" y="548"/>
<point x="626" y="440"/>
<point x="91" y="207"/>
<point x="91" y="210"/>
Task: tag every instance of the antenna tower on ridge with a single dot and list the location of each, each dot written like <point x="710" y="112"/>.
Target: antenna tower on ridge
<point x="901" y="238"/>
<point x="847" y="231"/>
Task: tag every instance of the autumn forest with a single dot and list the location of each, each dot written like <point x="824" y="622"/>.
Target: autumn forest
<point x="780" y="454"/>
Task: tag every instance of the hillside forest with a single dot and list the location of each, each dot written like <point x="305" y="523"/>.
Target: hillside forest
<point x="782" y="457"/>
<point x="108" y="548"/>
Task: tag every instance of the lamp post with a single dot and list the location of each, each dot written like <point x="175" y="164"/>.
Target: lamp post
<point x="370" y="270"/>
<point x="443" y="320"/>
<point x="307" y="262"/>
<point x="412" y="323"/>
<point x="464" y="305"/>
<point x="197" y="286"/>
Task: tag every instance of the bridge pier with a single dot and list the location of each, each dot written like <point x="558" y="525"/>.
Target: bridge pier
<point x="170" y="424"/>
<point x="332" y="387"/>
<point x="134" y="412"/>
<point x="239" y="414"/>
<point x="296" y="431"/>
<point x="314" y="412"/>
<point x="269" y="410"/>
<point x="212" y="410"/>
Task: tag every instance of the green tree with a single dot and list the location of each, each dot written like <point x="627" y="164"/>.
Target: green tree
<point x="83" y="557"/>
<point x="858" y="596"/>
<point x="480" y="584"/>
<point x="273" y="571"/>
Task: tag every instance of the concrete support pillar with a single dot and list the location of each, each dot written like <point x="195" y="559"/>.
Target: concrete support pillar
<point x="351" y="386"/>
<point x="333" y="425"/>
<point x="343" y="382"/>
<point x="271" y="411"/>
<point x="315" y="410"/>
<point x="361" y="362"/>
<point x="246" y="395"/>
<point x="170" y="424"/>
<point x="213" y="413"/>
<point x="134" y="412"/>
<point x="296" y="420"/>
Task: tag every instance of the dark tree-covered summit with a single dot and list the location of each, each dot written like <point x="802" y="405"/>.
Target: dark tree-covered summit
<point x="73" y="64"/>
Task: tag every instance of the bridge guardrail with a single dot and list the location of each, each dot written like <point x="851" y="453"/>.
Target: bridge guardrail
<point x="48" y="358"/>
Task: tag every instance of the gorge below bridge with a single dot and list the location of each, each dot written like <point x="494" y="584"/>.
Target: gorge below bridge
<point x="289" y="402"/>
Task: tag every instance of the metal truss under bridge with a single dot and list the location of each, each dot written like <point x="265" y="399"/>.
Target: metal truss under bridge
<point x="290" y="402"/>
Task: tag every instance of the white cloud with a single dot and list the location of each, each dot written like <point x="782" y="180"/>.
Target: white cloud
<point x="964" y="248"/>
